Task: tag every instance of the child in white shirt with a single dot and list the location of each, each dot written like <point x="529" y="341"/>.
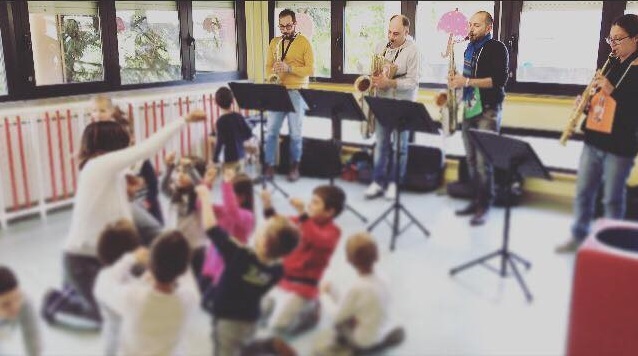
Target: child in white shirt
<point x="118" y="250"/>
<point x="157" y="308"/>
<point x="362" y="320"/>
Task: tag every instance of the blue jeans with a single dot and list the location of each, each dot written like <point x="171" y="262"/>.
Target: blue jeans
<point x="480" y="170"/>
<point x="597" y="168"/>
<point x="384" y="162"/>
<point x="276" y="119"/>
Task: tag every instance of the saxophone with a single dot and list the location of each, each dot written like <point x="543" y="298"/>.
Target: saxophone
<point x="363" y="86"/>
<point x="575" y="118"/>
<point x="274" y="78"/>
<point x="448" y="101"/>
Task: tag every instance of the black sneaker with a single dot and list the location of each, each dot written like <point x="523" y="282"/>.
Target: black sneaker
<point x="468" y="210"/>
<point x="395" y="337"/>
<point x="48" y="309"/>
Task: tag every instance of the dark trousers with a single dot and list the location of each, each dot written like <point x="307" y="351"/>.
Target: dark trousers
<point x="480" y="170"/>
<point x="77" y="297"/>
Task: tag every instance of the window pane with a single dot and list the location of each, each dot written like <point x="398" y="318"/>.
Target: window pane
<point x="148" y="41"/>
<point x="433" y="42"/>
<point x="549" y="51"/>
<point x="214" y="30"/>
<point x="3" y="73"/>
<point x="313" y="21"/>
<point x="632" y="7"/>
<point x="366" y="26"/>
<point x="66" y="42"/>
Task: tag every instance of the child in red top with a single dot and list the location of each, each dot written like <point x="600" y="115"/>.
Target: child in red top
<point x="297" y="308"/>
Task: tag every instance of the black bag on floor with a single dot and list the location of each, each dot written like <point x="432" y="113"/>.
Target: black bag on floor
<point x="319" y="158"/>
<point x="425" y="168"/>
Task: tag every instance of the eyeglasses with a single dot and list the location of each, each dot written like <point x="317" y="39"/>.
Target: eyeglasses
<point x="615" y="41"/>
<point x="287" y="27"/>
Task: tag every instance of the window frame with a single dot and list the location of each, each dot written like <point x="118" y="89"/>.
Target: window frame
<point x="16" y="36"/>
<point x="509" y="35"/>
<point x="507" y="15"/>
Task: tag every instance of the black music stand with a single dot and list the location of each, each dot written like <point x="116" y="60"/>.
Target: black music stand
<point x="516" y="157"/>
<point x="335" y="106"/>
<point x="263" y="97"/>
<point x="400" y="115"/>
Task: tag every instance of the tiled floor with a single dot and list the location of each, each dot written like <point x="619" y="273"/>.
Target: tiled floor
<point x="475" y="312"/>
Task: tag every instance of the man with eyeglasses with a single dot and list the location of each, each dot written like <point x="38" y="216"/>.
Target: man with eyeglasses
<point x="611" y="134"/>
<point x="290" y="56"/>
<point x="483" y="81"/>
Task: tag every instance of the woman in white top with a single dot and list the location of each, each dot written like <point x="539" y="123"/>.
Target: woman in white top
<point x="100" y="198"/>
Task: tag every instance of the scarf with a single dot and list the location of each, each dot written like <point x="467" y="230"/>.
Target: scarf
<point x="470" y="62"/>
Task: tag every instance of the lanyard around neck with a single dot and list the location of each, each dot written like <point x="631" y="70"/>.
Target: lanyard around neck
<point x="285" y="51"/>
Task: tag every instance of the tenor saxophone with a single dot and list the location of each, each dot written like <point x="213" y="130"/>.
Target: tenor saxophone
<point x="575" y="118"/>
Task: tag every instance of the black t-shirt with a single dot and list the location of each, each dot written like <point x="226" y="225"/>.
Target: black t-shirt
<point x="244" y="281"/>
<point x="493" y="62"/>
<point x="232" y="131"/>
<point x="622" y="140"/>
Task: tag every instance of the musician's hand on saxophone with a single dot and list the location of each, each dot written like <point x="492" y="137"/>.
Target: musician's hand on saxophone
<point x="280" y="67"/>
<point x="456" y="81"/>
<point x="602" y="83"/>
<point x="382" y="82"/>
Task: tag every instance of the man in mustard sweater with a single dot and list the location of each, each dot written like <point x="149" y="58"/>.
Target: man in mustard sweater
<point x="290" y="56"/>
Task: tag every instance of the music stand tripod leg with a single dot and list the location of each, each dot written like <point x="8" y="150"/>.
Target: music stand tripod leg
<point x="356" y="213"/>
<point x="397" y="207"/>
<point x="519" y="278"/>
<point x="336" y="142"/>
<point x="477" y="261"/>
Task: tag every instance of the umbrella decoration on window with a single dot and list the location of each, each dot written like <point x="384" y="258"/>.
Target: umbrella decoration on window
<point x="305" y="25"/>
<point x="453" y="22"/>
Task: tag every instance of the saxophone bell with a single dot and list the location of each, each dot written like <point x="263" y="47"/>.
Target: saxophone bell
<point x="363" y="84"/>
<point x="273" y="79"/>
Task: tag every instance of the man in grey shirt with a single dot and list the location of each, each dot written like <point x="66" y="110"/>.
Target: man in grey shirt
<point x="403" y="52"/>
<point x="16" y="311"/>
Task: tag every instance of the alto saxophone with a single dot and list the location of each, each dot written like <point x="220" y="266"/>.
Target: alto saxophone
<point x="274" y="78"/>
<point x="363" y="86"/>
<point x="575" y="118"/>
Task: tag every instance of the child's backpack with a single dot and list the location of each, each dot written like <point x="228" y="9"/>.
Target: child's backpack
<point x="359" y="167"/>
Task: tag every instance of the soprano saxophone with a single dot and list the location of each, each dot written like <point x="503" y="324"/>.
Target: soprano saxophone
<point x="575" y="118"/>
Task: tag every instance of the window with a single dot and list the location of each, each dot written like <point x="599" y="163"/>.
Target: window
<point x="148" y="41"/>
<point x="366" y="25"/>
<point x="215" y="33"/>
<point x="313" y="21"/>
<point x="66" y="43"/>
<point x="432" y="42"/>
<point x="549" y="51"/>
<point x="3" y="72"/>
<point x="632" y="7"/>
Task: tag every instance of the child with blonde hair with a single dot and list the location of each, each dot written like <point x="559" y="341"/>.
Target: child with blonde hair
<point x="362" y="319"/>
